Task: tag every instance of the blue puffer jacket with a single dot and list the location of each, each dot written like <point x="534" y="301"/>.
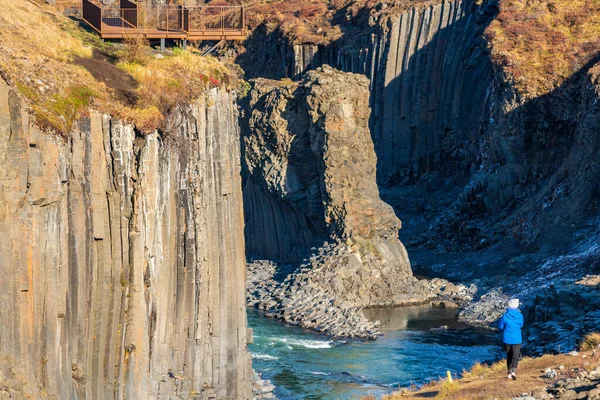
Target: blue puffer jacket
<point x="510" y="324"/>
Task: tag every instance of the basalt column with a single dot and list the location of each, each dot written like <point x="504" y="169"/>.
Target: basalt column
<point x="122" y="256"/>
<point x="430" y="82"/>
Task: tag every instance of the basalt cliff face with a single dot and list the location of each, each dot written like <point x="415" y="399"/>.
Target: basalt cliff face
<point x="430" y="75"/>
<point x="123" y="257"/>
<point x="494" y="187"/>
<point x="311" y="182"/>
<point x="309" y="147"/>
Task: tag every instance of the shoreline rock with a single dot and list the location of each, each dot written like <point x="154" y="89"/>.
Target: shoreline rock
<point x="262" y="389"/>
<point x="306" y="298"/>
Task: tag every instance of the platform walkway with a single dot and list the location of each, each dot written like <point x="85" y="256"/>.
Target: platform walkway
<point x="195" y="23"/>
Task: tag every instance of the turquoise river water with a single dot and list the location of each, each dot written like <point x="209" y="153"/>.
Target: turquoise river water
<point x="415" y="348"/>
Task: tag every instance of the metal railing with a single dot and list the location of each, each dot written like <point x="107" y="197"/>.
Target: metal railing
<point x="215" y="18"/>
<point x="129" y="13"/>
<point x="131" y="19"/>
<point x="92" y="14"/>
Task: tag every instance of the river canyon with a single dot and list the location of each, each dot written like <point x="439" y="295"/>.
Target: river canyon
<point x="395" y="163"/>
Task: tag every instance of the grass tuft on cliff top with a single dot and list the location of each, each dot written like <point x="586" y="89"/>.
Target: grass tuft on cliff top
<point x="37" y="49"/>
<point x="169" y="82"/>
<point x="41" y="52"/>
<point x="540" y="43"/>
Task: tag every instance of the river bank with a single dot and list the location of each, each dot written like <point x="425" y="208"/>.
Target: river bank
<point x="305" y="365"/>
<point x="575" y="375"/>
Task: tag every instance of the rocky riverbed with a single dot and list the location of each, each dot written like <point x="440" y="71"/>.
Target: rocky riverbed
<point x="574" y="383"/>
<point x="309" y="297"/>
<point x="560" y="301"/>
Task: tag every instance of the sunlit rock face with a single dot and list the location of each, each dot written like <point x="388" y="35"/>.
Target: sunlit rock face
<point x="122" y="256"/>
<point x="311" y="168"/>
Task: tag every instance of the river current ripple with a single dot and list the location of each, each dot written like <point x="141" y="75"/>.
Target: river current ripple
<point x="420" y="343"/>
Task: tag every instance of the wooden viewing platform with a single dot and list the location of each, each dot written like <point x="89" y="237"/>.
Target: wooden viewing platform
<point x="160" y="21"/>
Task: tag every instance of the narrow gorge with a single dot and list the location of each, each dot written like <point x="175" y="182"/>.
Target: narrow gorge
<point x="484" y="171"/>
<point x="353" y="169"/>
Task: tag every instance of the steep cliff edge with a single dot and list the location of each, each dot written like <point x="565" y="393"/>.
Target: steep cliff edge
<point x="311" y="179"/>
<point x="123" y="256"/>
<point x="121" y="248"/>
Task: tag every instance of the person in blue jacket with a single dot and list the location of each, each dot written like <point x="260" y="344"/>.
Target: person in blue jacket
<point x="510" y="324"/>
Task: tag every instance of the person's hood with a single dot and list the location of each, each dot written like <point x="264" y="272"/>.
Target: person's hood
<point x="513" y="313"/>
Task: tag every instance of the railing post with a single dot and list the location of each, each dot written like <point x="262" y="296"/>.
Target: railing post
<point x="222" y="19"/>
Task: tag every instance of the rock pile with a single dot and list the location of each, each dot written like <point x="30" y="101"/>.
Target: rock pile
<point x="307" y="297"/>
<point x="577" y="383"/>
<point x="262" y="389"/>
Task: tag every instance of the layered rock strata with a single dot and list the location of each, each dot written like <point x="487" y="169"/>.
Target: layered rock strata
<point x="311" y="176"/>
<point x="122" y="256"/>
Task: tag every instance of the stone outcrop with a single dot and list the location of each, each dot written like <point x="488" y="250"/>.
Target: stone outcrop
<point x="311" y="171"/>
<point x="122" y="256"/>
<point x="430" y="75"/>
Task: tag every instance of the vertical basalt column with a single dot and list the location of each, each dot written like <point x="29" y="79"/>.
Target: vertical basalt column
<point x="124" y="256"/>
<point x="430" y="75"/>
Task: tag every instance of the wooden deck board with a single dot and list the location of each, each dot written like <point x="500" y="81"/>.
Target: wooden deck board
<point x="118" y="32"/>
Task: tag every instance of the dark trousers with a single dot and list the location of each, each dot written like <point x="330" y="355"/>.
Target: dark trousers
<point x="513" y="351"/>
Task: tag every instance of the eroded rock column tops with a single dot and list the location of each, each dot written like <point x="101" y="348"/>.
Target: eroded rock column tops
<point x="122" y="256"/>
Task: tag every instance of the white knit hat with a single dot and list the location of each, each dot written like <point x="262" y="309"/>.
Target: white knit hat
<point x="513" y="303"/>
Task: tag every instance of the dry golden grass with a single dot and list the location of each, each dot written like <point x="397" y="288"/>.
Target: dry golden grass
<point x="40" y="48"/>
<point x="591" y="341"/>
<point x="483" y="382"/>
<point x="540" y="43"/>
<point x="170" y="82"/>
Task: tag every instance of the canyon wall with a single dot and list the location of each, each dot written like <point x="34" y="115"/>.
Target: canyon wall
<point x="310" y="182"/>
<point x="122" y="256"/>
<point x="538" y="166"/>
<point x="429" y="90"/>
<point x="430" y="76"/>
